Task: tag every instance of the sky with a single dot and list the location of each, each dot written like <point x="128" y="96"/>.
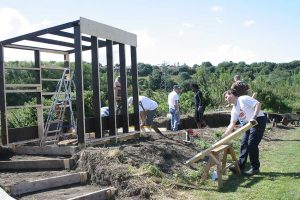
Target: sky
<point x="173" y="31"/>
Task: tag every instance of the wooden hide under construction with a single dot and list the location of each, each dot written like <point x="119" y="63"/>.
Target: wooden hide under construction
<point x="221" y="142"/>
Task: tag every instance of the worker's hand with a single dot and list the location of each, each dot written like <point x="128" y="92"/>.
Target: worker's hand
<point x="253" y="121"/>
<point x="225" y="134"/>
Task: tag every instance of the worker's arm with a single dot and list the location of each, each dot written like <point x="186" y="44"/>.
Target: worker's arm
<point x="257" y="108"/>
<point x="143" y="117"/>
<point x="176" y="106"/>
<point x="229" y="128"/>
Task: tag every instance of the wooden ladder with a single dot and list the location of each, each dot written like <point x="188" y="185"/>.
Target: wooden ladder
<point x="218" y="156"/>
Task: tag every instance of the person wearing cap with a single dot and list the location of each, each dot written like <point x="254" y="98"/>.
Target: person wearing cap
<point x="147" y="109"/>
<point x="173" y="101"/>
<point x="246" y="109"/>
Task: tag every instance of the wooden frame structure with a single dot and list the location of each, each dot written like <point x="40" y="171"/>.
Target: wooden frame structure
<point x="85" y="35"/>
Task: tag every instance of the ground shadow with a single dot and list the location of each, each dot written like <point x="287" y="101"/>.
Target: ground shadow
<point x="235" y="181"/>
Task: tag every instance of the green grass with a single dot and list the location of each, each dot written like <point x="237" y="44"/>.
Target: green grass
<point x="279" y="177"/>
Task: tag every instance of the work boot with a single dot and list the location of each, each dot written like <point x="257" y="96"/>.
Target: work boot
<point x="232" y="168"/>
<point x="251" y="172"/>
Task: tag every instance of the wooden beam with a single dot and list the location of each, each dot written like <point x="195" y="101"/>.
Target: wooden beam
<point x="107" y="140"/>
<point x="104" y="194"/>
<point x="36" y="164"/>
<point x="124" y="94"/>
<point x="79" y="86"/>
<point x="96" y="87"/>
<point x="225" y="140"/>
<point x="46" y="150"/>
<point x="47" y="183"/>
<point x="135" y="88"/>
<point x="110" y="88"/>
<point x="3" y="110"/>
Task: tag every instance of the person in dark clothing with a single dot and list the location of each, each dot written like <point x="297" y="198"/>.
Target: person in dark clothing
<point x="199" y="106"/>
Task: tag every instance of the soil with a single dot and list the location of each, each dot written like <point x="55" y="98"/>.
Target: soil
<point x="139" y="167"/>
<point x="120" y="166"/>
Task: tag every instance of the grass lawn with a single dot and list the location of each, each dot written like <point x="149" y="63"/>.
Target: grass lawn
<point x="279" y="177"/>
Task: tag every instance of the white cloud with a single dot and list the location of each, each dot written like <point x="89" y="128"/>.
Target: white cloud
<point x="227" y="52"/>
<point x="217" y="8"/>
<point x="144" y="39"/>
<point x="249" y="23"/>
<point x="187" y="25"/>
<point x="13" y="23"/>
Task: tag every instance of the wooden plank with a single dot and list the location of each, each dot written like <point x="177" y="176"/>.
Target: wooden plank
<point x="104" y="194"/>
<point x="21" y="91"/>
<point x="46" y="150"/>
<point x="23" y="68"/>
<point x="109" y="139"/>
<point x="36" y="164"/>
<point x="22" y="85"/>
<point x="48" y="183"/>
<point x="221" y="142"/>
<point x="220" y="148"/>
<point x="100" y="30"/>
<point x="67" y="142"/>
<point x="23" y="106"/>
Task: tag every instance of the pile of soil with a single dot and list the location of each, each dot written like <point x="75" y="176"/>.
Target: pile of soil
<point x="122" y="166"/>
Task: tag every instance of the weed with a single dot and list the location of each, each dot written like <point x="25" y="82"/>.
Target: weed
<point x="152" y="170"/>
<point x="202" y="144"/>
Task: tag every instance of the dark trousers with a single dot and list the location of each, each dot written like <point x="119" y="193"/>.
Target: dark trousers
<point x="250" y="142"/>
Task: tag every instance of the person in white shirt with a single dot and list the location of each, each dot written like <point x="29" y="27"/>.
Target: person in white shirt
<point x="147" y="109"/>
<point x="245" y="109"/>
<point x="173" y="101"/>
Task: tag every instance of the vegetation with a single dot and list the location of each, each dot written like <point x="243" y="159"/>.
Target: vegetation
<point x="277" y="85"/>
<point x="279" y="177"/>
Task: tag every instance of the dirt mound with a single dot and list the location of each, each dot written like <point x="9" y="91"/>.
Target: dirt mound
<point x="132" y="166"/>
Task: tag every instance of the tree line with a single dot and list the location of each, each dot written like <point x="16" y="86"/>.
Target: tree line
<point x="276" y="84"/>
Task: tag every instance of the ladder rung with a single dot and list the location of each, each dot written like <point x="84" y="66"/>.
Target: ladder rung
<point x="62" y="106"/>
<point x="48" y="93"/>
<point x="55" y="121"/>
<point x="54" y="131"/>
<point x="52" y="67"/>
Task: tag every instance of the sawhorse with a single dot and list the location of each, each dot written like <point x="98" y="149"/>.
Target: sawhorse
<point x="218" y="156"/>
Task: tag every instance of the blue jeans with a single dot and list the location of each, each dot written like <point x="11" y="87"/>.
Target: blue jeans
<point x="174" y="119"/>
<point x="250" y="142"/>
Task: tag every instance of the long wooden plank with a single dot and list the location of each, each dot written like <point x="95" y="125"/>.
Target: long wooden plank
<point x="225" y="140"/>
<point x="109" y="139"/>
<point x="48" y="183"/>
<point x="36" y="164"/>
<point x="46" y="150"/>
<point x="104" y="194"/>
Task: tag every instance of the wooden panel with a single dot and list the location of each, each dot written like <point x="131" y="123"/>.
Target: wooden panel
<point x="104" y="31"/>
<point x="22" y="134"/>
